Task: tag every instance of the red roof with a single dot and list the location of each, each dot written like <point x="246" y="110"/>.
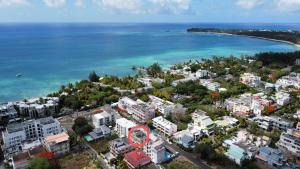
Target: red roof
<point x="98" y="111"/>
<point x="137" y="158"/>
<point x="48" y="155"/>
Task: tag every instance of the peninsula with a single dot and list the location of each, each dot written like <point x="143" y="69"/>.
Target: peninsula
<point x="288" y="36"/>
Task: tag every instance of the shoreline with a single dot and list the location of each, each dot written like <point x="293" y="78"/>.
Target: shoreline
<point x="256" y="37"/>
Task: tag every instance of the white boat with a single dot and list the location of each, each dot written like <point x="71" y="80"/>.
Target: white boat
<point x="18" y="75"/>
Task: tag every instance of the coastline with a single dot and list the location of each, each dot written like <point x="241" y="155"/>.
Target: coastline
<point x="256" y="37"/>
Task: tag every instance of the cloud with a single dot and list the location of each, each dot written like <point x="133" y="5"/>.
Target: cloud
<point x="288" y="5"/>
<point x="13" y="3"/>
<point x="248" y="4"/>
<point x="144" y="6"/>
<point x="54" y="3"/>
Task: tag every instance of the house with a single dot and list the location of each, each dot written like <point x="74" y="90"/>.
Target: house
<point x="164" y="126"/>
<point x="155" y="149"/>
<point x="297" y="62"/>
<point x="31" y="130"/>
<point x="120" y="146"/>
<point x="282" y="98"/>
<point x="136" y="159"/>
<point x="104" y="118"/>
<point x="8" y="111"/>
<point x="125" y="103"/>
<point x="187" y="138"/>
<point x="202" y="73"/>
<point x="290" y="141"/>
<point x="297" y="114"/>
<point x="204" y="122"/>
<point x="250" y="79"/>
<point x="234" y="152"/>
<point x="98" y="133"/>
<point x="274" y="157"/>
<point x="123" y="126"/>
<point x="59" y="144"/>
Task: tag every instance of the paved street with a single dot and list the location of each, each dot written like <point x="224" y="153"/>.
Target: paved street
<point x="190" y="156"/>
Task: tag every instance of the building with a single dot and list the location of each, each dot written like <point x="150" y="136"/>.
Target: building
<point x="282" y="98"/>
<point x="270" y="122"/>
<point x="210" y="84"/>
<point x="297" y="62"/>
<point x="290" y="141"/>
<point x="290" y="80"/>
<point x="123" y="126"/>
<point x="125" y="103"/>
<point x="244" y="146"/>
<point x="8" y="111"/>
<point x="104" y="118"/>
<point x="250" y="79"/>
<point x="31" y="130"/>
<point x="59" y="144"/>
<point x="98" y="133"/>
<point x="120" y="146"/>
<point x="204" y="122"/>
<point x="163" y="106"/>
<point x="155" y="149"/>
<point x="142" y="112"/>
<point x="188" y="137"/>
<point x="234" y="152"/>
<point x="136" y="159"/>
<point x="274" y="157"/>
<point x="164" y="125"/>
<point x="202" y="73"/>
<point x="38" y="107"/>
<point x="227" y="122"/>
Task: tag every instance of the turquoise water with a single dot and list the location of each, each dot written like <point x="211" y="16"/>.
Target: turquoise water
<point x="49" y="55"/>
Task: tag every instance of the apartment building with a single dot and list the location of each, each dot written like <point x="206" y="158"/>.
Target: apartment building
<point x="123" y="126"/>
<point x="104" y="118"/>
<point x="155" y="149"/>
<point x="120" y="146"/>
<point x="31" y="130"/>
<point x="142" y="112"/>
<point x="250" y="79"/>
<point x="270" y="122"/>
<point x="204" y="122"/>
<point x="290" y="141"/>
<point x="163" y="106"/>
<point x="164" y="125"/>
<point x="58" y="144"/>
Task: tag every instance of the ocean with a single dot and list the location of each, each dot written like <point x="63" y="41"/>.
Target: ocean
<point x="49" y="55"/>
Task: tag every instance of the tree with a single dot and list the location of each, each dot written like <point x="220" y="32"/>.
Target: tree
<point x="93" y="77"/>
<point x="39" y="163"/>
<point x="154" y="70"/>
<point x="81" y="126"/>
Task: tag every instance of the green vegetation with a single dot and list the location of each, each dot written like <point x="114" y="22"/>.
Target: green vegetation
<point x="290" y="36"/>
<point x="127" y="82"/>
<point x="180" y="163"/>
<point x="39" y="163"/>
<point x="154" y="70"/>
<point x="93" y="77"/>
<point x="81" y="126"/>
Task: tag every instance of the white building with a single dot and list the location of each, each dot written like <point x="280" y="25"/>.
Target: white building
<point x="202" y="73"/>
<point x="188" y="137"/>
<point x="270" y="122"/>
<point x="282" y="98"/>
<point x="163" y="106"/>
<point x="31" y="130"/>
<point x="204" y="122"/>
<point x="164" y="125"/>
<point x="155" y="149"/>
<point x="126" y="102"/>
<point x="103" y="118"/>
<point x="227" y="122"/>
<point x="290" y="141"/>
<point x="210" y="84"/>
<point x="123" y="126"/>
<point x="290" y="80"/>
<point x="250" y="79"/>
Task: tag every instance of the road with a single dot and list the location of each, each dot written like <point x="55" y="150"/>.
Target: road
<point x="92" y="151"/>
<point x="190" y="156"/>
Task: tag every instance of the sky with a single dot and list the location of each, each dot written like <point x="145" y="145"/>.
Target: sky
<point x="229" y="11"/>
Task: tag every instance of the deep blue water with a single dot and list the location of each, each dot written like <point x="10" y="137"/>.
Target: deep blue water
<point x="49" y="55"/>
